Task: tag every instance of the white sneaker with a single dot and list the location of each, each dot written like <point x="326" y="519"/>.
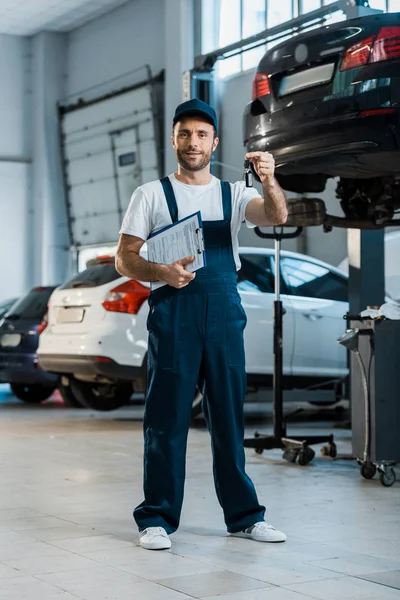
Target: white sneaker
<point x="154" y="538"/>
<point x="262" y="532"/>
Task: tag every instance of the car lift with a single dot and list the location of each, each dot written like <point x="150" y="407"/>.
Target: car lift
<point x="198" y="83"/>
<point x="295" y="447"/>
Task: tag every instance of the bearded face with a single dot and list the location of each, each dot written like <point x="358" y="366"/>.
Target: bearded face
<point x="194" y="142"/>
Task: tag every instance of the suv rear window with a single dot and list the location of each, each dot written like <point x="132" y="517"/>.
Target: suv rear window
<point x="93" y="277"/>
<point x="32" y="306"/>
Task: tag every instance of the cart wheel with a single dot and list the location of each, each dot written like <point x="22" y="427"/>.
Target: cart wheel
<point x="290" y="454"/>
<point x="329" y="450"/>
<point x="368" y="470"/>
<point x="259" y="450"/>
<point x="387" y="477"/>
<point x="332" y="450"/>
<point x="305" y="456"/>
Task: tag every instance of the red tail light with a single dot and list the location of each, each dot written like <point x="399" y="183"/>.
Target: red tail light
<point x="372" y="112"/>
<point x="384" y="46"/>
<point x="103" y="359"/>
<point x="44" y="322"/>
<point x="126" y="298"/>
<point x="357" y="55"/>
<point x="387" y="44"/>
<point x="261" y="86"/>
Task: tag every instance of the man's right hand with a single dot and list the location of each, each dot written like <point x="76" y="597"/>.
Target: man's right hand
<point x="176" y="275"/>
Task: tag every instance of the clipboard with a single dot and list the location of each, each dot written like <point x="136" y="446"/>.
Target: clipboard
<point x="176" y="241"/>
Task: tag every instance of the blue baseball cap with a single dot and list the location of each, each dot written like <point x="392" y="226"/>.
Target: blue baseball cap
<point x="196" y="107"/>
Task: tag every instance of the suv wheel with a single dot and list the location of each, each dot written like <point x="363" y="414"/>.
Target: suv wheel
<point x="101" y="396"/>
<point x="31" y="394"/>
<point x="69" y="398"/>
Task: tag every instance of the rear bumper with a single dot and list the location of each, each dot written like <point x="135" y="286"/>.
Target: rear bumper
<point x="326" y="144"/>
<point x="88" y="366"/>
<point x="24" y="368"/>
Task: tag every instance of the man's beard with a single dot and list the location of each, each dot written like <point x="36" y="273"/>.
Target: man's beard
<point x="204" y="162"/>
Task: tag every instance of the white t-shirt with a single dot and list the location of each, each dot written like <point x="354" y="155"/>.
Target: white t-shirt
<point x="148" y="210"/>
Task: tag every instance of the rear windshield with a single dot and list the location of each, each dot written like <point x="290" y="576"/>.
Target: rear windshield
<point x="32" y="306"/>
<point x="93" y="277"/>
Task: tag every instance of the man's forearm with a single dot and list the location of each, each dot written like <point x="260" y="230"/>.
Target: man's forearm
<point x="275" y="204"/>
<point x="134" y="266"/>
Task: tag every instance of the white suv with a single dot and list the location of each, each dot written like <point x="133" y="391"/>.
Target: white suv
<point x="96" y="335"/>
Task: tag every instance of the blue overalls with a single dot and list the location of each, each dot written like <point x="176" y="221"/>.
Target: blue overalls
<point x="197" y="327"/>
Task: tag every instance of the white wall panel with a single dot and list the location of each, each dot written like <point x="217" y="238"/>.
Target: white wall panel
<point x="16" y="235"/>
<point x="15" y="230"/>
<point x="97" y="139"/>
<point x="125" y="39"/>
<point x="15" y="97"/>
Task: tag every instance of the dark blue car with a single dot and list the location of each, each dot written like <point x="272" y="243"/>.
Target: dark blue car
<point x="19" y="340"/>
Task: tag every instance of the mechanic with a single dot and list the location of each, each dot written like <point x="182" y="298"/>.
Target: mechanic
<point x="195" y="324"/>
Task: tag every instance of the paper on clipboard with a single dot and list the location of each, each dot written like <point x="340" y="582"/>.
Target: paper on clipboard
<point x="179" y="240"/>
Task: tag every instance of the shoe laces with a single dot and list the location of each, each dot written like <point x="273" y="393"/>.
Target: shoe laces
<point x="264" y="526"/>
<point x="155" y="531"/>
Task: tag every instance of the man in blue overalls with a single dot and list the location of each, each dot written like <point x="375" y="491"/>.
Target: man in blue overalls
<point x="195" y="324"/>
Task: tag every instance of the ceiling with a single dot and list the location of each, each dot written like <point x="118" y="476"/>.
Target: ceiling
<point x="27" y="17"/>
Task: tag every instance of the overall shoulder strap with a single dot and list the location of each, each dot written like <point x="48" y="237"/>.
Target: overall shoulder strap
<point x="226" y="200"/>
<point x="170" y="197"/>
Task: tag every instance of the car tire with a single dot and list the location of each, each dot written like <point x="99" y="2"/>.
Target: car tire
<point x="101" y="396"/>
<point x="69" y="398"/>
<point x="31" y="394"/>
<point x="197" y="406"/>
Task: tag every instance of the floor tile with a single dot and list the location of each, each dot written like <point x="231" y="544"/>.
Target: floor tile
<point x="106" y="583"/>
<point x="91" y="543"/>
<point x="50" y="564"/>
<point x="18" y="513"/>
<point x="30" y="550"/>
<point x="64" y="532"/>
<point x="345" y="588"/>
<point x="30" y="588"/>
<point x="358" y="564"/>
<point x="8" y="573"/>
<point x="212" y="584"/>
<point x="271" y="593"/>
<point x="82" y="473"/>
<point x="160" y="565"/>
<point x="389" y="578"/>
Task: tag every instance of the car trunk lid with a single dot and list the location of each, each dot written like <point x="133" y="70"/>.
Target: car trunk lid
<point x="19" y="329"/>
<point x="310" y="66"/>
<point x="76" y="307"/>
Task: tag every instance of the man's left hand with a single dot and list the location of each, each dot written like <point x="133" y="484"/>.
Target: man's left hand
<point x="264" y="166"/>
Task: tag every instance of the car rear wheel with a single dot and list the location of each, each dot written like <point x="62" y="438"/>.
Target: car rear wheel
<point x="101" y="396"/>
<point x="31" y="394"/>
<point x="69" y="397"/>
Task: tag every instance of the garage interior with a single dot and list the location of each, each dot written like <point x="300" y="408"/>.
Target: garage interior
<point x="88" y="91"/>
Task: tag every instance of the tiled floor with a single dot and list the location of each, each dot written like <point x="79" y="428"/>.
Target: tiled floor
<point x="70" y="478"/>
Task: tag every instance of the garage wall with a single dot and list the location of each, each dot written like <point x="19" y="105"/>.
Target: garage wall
<point x="117" y="43"/>
<point x="15" y="166"/>
<point x="235" y="93"/>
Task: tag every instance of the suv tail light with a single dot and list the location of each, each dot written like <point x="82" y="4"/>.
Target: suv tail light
<point x="384" y="46"/>
<point x="261" y="86"/>
<point x="126" y="298"/>
<point x="357" y="55"/>
<point x="44" y="322"/>
<point x="387" y="44"/>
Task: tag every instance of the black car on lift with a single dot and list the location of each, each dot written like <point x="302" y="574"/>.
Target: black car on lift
<point x="327" y="104"/>
<point x="19" y="339"/>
